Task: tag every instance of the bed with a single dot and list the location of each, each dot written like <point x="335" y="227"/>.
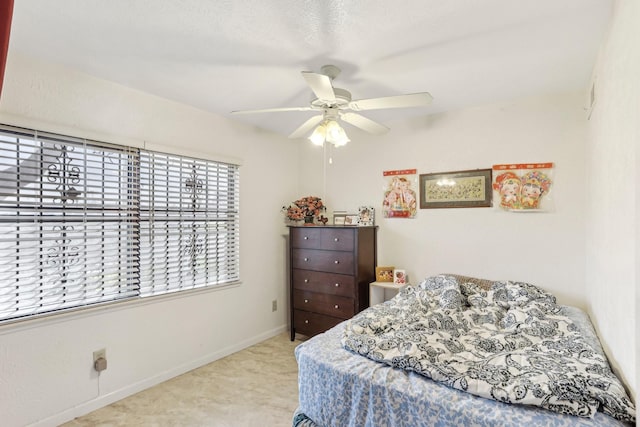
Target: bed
<point x="338" y="387"/>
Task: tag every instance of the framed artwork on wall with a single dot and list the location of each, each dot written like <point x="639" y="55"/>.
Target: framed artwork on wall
<point x="460" y="189"/>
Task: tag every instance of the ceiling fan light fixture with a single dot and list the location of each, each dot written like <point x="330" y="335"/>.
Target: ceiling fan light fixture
<point x="335" y="134"/>
<point x="318" y="135"/>
<point x="329" y="131"/>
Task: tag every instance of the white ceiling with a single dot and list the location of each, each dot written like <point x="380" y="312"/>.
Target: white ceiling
<point x="224" y="55"/>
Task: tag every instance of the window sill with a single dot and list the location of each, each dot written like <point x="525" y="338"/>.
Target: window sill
<point x="14" y="325"/>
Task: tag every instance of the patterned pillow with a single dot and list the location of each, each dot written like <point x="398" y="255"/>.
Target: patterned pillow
<point x="483" y="283"/>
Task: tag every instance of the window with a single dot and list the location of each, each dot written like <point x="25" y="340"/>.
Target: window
<point x="83" y="222"/>
<point x="188" y="223"/>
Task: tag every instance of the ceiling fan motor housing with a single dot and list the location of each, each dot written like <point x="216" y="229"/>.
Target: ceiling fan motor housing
<point x="343" y="97"/>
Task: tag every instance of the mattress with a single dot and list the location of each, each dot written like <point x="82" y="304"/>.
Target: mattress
<point x="340" y="388"/>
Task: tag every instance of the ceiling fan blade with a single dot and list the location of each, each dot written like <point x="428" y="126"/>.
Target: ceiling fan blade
<point x="364" y="123"/>
<point x="399" y="101"/>
<point x="272" y="110"/>
<point x="307" y="126"/>
<point x="320" y="85"/>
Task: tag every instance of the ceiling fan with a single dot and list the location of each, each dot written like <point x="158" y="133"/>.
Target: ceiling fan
<point x="335" y="104"/>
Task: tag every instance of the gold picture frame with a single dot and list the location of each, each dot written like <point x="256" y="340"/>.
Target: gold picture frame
<point x="460" y="189"/>
<point x="384" y="274"/>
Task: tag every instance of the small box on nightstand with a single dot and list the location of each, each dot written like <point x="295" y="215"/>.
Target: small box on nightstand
<point x="380" y="292"/>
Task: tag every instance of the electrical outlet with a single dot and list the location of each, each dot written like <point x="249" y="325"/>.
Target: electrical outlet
<point x="274" y="305"/>
<point x="100" y="359"/>
<point x="98" y="354"/>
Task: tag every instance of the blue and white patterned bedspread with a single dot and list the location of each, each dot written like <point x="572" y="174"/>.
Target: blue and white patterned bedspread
<point x="341" y="389"/>
<point x="510" y="342"/>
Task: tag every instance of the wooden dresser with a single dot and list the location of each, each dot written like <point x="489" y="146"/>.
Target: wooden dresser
<point x="331" y="268"/>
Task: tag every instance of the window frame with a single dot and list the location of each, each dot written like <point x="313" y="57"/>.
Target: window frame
<point x="133" y="204"/>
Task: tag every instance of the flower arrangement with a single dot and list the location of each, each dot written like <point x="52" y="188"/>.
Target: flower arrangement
<point x="309" y="206"/>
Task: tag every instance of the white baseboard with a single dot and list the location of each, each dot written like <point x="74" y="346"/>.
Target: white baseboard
<point x="131" y="389"/>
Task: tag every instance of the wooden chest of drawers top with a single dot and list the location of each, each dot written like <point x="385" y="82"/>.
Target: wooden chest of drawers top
<point x="332" y="239"/>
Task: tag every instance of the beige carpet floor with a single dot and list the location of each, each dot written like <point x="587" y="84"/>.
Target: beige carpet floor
<point x="254" y="387"/>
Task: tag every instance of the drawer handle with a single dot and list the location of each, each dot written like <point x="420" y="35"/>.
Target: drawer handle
<point x="306" y="259"/>
<point x="336" y="306"/>
<point x="336" y="239"/>
<point x="306" y="321"/>
<point x="337" y="285"/>
<point x="306" y="301"/>
<point x="306" y="238"/>
<point x="306" y="280"/>
<point x="336" y="262"/>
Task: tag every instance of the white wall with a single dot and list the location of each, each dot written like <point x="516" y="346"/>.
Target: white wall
<point x="46" y="371"/>
<point x="612" y="180"/>
<point x="546" y="249"/>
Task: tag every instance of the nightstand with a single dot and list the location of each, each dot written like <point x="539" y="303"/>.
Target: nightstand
<point x="380" y="292"/>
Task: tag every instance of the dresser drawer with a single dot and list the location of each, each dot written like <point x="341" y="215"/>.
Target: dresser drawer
<point x="331" y="305"/>
<point x="317" y="260"/>
<point x="310" y="324"/>
<point x="332" y="239"/>
<point x="326" y="283"/>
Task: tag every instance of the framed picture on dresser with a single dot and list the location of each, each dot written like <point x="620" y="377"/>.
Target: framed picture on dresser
<point x="351" y="219"/>
<point x="366" y="215"/>
<point x="339" y="218"/>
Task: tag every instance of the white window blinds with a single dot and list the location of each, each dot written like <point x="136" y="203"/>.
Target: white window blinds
<point x="82" y="222"/>
<point x="188" y="223"/>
